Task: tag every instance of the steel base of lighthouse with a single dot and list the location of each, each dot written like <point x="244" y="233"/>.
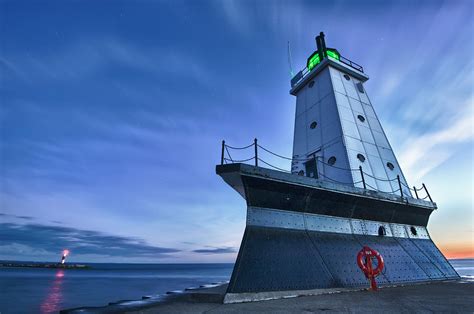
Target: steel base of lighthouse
<point x="303" y="234"/>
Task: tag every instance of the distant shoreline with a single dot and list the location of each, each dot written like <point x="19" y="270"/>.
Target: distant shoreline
<point x="2" y="262"/>
<point x="44" y="265"/>
<point x="119" y="263"/>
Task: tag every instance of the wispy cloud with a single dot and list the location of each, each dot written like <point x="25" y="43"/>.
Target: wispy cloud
<point x="53" y="239"/>
<point x="424" y="153"/>
<point x="17" y="216"/>
<point x="98" y="56"/>
<point x="236" y="15"/>
<point x="218" y="250"/>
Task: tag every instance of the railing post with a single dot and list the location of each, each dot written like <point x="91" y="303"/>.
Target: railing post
<point x="222" y="152"/>
<point x="400" y="186"/>
<point x="416" y="193"/>
<point x="427" y="193"/>
<point x="256" y="152"/>
<point x="362" y="176"/>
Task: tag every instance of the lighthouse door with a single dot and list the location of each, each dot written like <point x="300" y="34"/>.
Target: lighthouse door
<point x="311" y="168"/>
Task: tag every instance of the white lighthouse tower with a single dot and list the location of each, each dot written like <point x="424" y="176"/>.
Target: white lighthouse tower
<point x="336" y="128"/>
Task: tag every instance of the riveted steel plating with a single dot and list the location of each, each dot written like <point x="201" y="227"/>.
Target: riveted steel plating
<point x="274" y="218"/>
<point x="372" y="228"/>
<point x="421" y="232"/>
<point x="358" y="226"/>
<point x="327" y="224"/>
<point x="399" y="231"/>
<point x="265" y="217"/>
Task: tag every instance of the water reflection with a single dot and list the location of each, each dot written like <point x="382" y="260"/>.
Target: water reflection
<point x="54" y="298"/>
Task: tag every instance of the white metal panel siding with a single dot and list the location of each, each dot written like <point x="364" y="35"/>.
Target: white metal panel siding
<point x="346" y="113"/>
<point x="325" y="85"/>
<point x="355" y="163"/>
<point x="335" y="103"/>
<point x="338" y="172"/>
<point x="366" y="134"/>
<point x="350" y="129"/>
<point x="364" y="137"/>
<point x="387" y="154"/>
<point x="301" y="102"/>
<point x="354" y="144"/>
<point x="316" y="104"/>
<point x="300" y="138"/>
<point x="314" y="136"/>
<point x="312" y="94"/>
<point x="358" y="109"/>
<point x="330" y="122"/>
<point x="342" y="100"/>
<point x="371" y="149"/>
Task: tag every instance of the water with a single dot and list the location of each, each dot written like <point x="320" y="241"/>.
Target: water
<point x="464" y="267"/>
<point x="35" y="290"/>
<point x="38" y="290"/>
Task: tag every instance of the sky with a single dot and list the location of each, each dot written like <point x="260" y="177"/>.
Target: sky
<point x="112" y="114"/>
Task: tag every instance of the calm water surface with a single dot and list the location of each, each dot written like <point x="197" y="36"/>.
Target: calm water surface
<point x="36" y="290"/>
<point x="49" y="290"/>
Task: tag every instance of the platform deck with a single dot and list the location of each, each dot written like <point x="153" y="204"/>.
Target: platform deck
<point x="450" y="297"/>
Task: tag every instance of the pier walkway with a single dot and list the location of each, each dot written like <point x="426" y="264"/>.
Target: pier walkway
<point x="453" y="297"/>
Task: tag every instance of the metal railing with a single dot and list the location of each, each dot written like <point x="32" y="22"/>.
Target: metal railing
<point x="352" y="64"/>
<point x="226" y="158"/>
<point x="295" y="80"/>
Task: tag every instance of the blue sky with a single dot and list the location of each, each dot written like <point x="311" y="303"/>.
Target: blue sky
<point x="112" y="114"/>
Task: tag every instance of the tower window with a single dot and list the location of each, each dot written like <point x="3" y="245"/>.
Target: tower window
<point x="360" y="88"/>
<point x="361" y="157"/>
<point x="311" y="84"/>
<point x="301" y="173"/>
<point x="332" y="160"/>
<point x="390" y="166"/>
<point x="313" y="125"/>
<point x="361" y="118"/>
<point x="413" y="231"/>
<point x="347" y="77"/>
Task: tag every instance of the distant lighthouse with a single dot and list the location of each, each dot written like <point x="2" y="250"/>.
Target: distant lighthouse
<point x="336" y="128"/>
<point x="64" y="255"/>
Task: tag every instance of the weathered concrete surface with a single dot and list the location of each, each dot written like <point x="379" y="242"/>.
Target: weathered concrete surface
<point x="208" y="294"/>
<point x="454" y="296"/>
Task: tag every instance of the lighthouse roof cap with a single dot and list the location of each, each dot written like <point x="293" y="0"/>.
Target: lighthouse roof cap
<point x="309" y="75"/>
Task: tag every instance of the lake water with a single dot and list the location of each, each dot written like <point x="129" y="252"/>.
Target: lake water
<point x="35" y="290"/>
<point x="38" y="290"/>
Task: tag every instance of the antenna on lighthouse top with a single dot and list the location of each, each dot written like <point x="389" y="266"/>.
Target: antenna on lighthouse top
<point x="292" y="74"/>
<point x="323" y="42"/>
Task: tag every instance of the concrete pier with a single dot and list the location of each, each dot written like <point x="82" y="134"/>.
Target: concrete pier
<point x="443" y="296"/>
<point x="433" y="297"/>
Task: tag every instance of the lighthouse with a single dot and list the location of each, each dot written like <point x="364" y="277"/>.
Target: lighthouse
<point x="337" y="131"/>
<point x="345" y="194"/>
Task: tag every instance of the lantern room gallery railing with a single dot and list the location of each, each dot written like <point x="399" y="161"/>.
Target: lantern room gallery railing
<point x="226" y="158"/>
